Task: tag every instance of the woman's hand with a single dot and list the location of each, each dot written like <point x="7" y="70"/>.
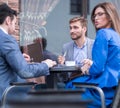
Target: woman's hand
<point x="49" y="62"/>
<point x="86" y="66"/>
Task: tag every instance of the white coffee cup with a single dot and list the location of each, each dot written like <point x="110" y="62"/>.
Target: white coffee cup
<point x="70" y="63"/>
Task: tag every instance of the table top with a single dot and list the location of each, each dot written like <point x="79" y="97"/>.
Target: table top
<point x="63" y="68"/>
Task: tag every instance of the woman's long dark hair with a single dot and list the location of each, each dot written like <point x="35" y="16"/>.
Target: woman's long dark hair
<point x="111" y="11"/>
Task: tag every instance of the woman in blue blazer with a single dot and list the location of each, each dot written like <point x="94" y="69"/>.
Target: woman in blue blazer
<point x="104" y="68"/>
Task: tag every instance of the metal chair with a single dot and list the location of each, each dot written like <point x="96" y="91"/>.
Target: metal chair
<point x="51" y="98"/>
<point x="15" y="90"/>
<point x="116" y="99"/>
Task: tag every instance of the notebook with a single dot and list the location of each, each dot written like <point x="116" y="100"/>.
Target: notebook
<point x="34" y="50"/>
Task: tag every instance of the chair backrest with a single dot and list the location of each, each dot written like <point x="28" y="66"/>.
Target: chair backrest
<point x="92" y="86"/>
<point x="51" y="98"/>
<point x="15" y="91"/>
<point x="116" y="100"/>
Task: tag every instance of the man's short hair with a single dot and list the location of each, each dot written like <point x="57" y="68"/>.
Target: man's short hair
<point x="5" y="11"/>
<point x="82" y="20"/>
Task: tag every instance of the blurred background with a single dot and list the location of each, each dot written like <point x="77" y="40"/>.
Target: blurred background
<point x="50" y="19"/>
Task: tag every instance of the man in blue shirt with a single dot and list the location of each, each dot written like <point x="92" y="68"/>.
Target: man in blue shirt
<point x="79" y="48"/>
<point x="12" y="62"/>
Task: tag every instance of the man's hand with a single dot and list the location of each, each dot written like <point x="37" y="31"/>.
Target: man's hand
<point x="50" y="63"/>
<point x="61" y="60"/>
<point x="27" y="57"/>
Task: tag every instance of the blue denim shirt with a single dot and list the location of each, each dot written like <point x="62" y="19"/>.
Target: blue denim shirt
<point x="12" y="63"/>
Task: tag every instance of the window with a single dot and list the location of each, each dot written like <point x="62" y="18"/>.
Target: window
<point x="79" y="7"/>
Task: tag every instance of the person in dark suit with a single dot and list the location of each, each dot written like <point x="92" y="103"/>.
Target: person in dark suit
<point x="104" y="68"/>
<point x="46" y="53"/>
<point x="12" y="62"/>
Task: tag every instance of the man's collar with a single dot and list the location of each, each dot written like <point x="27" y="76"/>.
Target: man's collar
<point x="75" y="45"/>
<point x="3" y="30"/>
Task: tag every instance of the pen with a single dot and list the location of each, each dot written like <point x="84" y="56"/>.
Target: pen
<point x="65" y="54"/>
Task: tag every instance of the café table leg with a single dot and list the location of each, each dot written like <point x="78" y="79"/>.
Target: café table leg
<point x="51" y="81"/>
